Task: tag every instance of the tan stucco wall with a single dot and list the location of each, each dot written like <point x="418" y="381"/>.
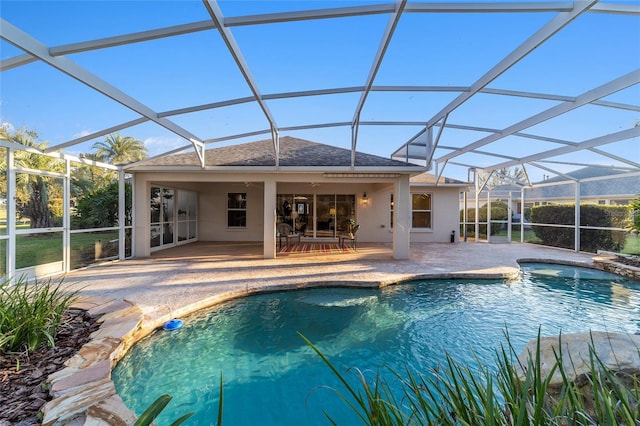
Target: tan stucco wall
<point x="445" y="215"/>
<point x="212" y="188"/>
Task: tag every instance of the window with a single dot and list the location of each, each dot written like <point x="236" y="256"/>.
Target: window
<point x="237" y="209"/>
<point x="421" y="211"/>
<point x="391" y="211"/>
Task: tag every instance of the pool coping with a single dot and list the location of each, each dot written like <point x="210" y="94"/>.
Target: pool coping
<point x="83" y="392"/>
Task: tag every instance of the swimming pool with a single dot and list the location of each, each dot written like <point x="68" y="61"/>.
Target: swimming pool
<point x="272" y="378"/>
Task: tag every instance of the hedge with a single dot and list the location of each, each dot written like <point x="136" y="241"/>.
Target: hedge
<point x="499" y="211"/>
<point x="591" y="240"/>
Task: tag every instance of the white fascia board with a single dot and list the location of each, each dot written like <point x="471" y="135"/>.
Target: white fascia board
<point x="439" y="185"/>
<point x="281" y="169"/>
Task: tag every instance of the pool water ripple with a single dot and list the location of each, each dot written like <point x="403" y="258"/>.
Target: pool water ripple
<point x="271" y="377"/>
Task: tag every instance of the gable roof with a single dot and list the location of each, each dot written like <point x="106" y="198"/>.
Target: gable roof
<point x="428" y="179"/>
<point x="586" y="173"/>
<point x="294" y="152"/>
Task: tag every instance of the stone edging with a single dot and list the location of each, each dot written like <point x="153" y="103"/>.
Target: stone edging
<point x="83" y="392"/>
<point x="608" y="263"/>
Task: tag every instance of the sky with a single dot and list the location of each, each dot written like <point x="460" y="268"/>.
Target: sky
<point x="427" y="49"/>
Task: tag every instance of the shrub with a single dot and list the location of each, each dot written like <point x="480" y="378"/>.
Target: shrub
<point x="99" y="209"/>
<point x="635" y="215"/>
<point x="30" y="314"/>
<point x="499" y="211"/>
<point x="592" y="215"/>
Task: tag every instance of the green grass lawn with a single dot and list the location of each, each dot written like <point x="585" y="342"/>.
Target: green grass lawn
<point x="38" y="249"/>
<point x="631" y="245"/>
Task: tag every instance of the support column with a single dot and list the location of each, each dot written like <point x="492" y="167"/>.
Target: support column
<point x="269" y="236"/>
<point x="66" y="217"/>
<point x="121" y="214"/>
<point x="141" y="219"/>
<point x="522" y="215"/>
<point x="10" y="271"/>
<point x="509" y="215"/>
<point x="576" y="238"/>
<point x="401" y="218"/>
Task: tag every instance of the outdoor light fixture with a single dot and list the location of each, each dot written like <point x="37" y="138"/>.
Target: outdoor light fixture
<point x="365" y="200"/>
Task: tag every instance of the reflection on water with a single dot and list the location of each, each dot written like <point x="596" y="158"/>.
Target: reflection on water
<point x="272" y="378"/>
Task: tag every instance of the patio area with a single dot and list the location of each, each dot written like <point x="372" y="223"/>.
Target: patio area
<point x="174" y="282"/>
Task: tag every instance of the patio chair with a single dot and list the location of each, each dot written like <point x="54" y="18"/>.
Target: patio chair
<point x="286" y="231"/>
<point x="349" y="236"/>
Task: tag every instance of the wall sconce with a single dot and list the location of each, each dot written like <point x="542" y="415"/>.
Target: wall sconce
<point x="365" y="200"/>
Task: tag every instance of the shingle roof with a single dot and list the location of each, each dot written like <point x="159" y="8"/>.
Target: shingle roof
<point x="293" y="152"/>
<point x="430" y="179"/>
<point x="628" y="186"/>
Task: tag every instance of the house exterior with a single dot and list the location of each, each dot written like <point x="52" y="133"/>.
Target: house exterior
<point x="243" y="192"/>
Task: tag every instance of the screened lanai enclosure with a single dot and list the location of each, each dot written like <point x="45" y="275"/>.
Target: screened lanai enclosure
<point x="531" y="107"/>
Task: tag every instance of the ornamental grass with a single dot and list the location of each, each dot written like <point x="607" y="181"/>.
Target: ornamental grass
<point x="505" y="395"/>
<point x="30" y="313"/>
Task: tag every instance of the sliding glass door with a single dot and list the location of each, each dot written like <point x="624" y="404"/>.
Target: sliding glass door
<point x="316" y="215"/>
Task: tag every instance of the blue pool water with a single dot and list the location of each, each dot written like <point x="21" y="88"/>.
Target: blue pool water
<point x="271" y="377"/>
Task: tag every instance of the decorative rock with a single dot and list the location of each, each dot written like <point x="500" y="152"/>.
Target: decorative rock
<point x="110" y="306"/>
<point x="618" y="352"/>
<point x="119" y="328"/>
<point x="95" y="351"/>
<point x="111" y="411"/>
<point x="98" y="372"/>
<point x="64" y="408"/>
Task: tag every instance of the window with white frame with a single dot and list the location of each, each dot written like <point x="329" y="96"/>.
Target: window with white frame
<point x="421" y="210"/>
<point x="237" y="209"/>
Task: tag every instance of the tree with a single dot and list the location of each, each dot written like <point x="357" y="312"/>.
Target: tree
<point x="86" y="178"/>
<point x="36" y="195"/>
<point x="507" y="175"/>
<point x="118" y="150"/>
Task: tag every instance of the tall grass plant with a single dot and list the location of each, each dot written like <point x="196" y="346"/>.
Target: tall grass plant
<point x="31" y="313"/>
<point x="510" y="394"/>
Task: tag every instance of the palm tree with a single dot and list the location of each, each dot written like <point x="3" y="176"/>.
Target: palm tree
<point x="119" y="150"/>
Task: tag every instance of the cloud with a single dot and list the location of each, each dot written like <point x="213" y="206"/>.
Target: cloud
<point x="160" y="145"/>
<point x="82" y="133"/>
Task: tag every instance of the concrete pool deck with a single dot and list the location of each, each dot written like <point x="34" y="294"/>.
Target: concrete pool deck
<point x="131" y="298"/>
<point x="186" y="278"/>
